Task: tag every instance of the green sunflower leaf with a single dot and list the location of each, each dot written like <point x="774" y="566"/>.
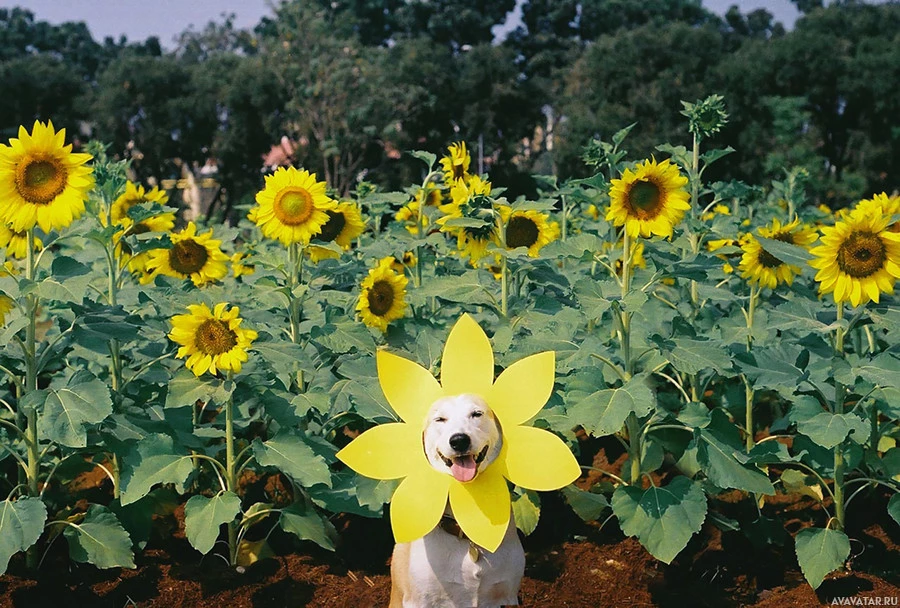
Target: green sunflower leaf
<point x="662" y="519"/>
<point x="893" y="508"/>
<point x="203" y="516"/>
<point x="100" y="539"/>
<point x="587" y="505"/>
<point x="426" y="157"/>
<point x="307" y="524"/>
<point x="21" y="524"/>
<point x="290" y="454"/>
<point x="720" y="463"/>
<point x="526" y="506"/>
<point x="66" y="414"/>
<point x="787" y="252"/>
<point x="151" y="461"/>
<point x="820" y="551"/>
<point x="187" y="389"/>
<point x="603" y="412"/>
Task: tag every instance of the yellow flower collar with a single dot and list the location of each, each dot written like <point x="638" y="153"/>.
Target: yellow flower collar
<point x="531" y="458"/>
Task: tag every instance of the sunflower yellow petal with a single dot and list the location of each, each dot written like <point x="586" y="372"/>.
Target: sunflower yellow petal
<point x="384" y="451"/>
<point x="523" y="388"/>
<point x="418" y="503"/>
<point x="467" y="364"/>
<point x="537" y="459"/>
<point x="409" y="388"/>
<point x="482" y="507"/>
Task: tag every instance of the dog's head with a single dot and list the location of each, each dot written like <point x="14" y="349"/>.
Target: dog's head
<point x="462" y="436"/>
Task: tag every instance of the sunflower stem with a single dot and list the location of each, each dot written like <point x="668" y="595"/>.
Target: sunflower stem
<point x="839" y="461"/>
<point x="632" y="424"/>
<point x="31" y="435"/>
<point x="695" y="202"/>
<point x="748" y="390"/>
<point x="565" y="219"/>
<point x="230" y="477"/>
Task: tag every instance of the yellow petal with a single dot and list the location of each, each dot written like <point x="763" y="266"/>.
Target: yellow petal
<point x="384" y="452"/>
<point x="523" y="388"/>
<point x="409" y="388"/>
<point x="467" y="365"/>
<point x="418" y="503"/>
<point x="537" y="459"/>
<point x="481" y="507"/>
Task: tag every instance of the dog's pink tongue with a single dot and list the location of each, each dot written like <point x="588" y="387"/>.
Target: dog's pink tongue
<point x="463" y="468"/>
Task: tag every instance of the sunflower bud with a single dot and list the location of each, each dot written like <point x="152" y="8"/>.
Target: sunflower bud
<point x="707" y="116"/>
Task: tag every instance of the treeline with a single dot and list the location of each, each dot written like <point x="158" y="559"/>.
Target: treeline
<point x="352" y="84"/>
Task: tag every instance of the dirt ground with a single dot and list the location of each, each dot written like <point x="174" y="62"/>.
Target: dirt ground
<point x="570" y="564"/>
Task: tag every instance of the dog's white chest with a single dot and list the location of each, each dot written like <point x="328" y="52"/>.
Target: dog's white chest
<point x="445" y="575"/>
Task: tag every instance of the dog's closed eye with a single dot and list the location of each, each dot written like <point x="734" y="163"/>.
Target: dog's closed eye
<point x="440" y="419"/>
<point x="477" y="414"/>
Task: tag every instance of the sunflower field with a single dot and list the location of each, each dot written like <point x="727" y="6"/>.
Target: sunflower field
<point x="732" y="338"/>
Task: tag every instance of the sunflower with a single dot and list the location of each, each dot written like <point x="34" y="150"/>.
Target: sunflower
<point x="471" y="200"/>
<point x="530" y="457"/>
<point x="431" y="194"/>
<point x="238" y="267"/>
<point x="212" y="340"/>
<point x="16" y="243"/>
<point x="135" y="194"/>
<point x="42" y="182"/>
<point x="408" y="261"/>
<point x="382" y="297"/>
<point x="193" y="255"/>
<point x="7" y="304"/>
<point x="858" y="259"/>
<point x="456" y="163"/>
<point x="292" y="207"/>
<point x="759" y="266"/>
<point x="531" y="229"/>
<point x="884" y="205"/>
<point x="344" y="224"/>
<point x="651" y="199"/>
<point x="409" y="215"/>
<point x="719" y="209"/>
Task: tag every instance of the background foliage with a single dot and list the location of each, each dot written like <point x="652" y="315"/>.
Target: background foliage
<point x="341" y="76"/>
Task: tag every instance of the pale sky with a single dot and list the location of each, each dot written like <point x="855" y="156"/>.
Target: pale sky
<point x="140" y="19"/>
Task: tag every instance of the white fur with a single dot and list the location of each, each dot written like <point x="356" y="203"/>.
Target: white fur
<point x="438" y="570"/>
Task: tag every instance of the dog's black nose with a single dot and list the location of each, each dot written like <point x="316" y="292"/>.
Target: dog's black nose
<point x="460" y="442"/>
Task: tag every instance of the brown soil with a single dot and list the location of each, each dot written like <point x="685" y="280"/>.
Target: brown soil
<point x="570" y="564"/>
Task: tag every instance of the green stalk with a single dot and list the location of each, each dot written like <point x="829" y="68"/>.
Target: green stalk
<point x="565" y="219"/>
<point x="504" y="270"/>
<point x="748" y="390"/>
<point x="695" y="202"/>
<point x="293" y="280"/>
<point x="31" y="434"/>
<point x="839" y="461"/>
<point x="632" y="424"/>
<point x="230" y="477"/>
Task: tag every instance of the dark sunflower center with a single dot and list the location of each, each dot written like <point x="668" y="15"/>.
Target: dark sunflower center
<point x="433" y="197"/>
<point x="381" y="297"/>
<point x="644" y="198"/>
<point x="861" y="254"/>
<point x="768" y="260"/>
<point x="188" y="257"/>
<point x="41" y="180"/>
<point x="293" y="205"/>
<point x="214" y="337"/>
<point x="458" y="171"/>
<point x="332" y="228"/>
<point x="141" y="228"/>
<point x="521" y="232"/>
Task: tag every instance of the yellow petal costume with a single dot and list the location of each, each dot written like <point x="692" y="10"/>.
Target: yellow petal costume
<point x="531" y="457"/>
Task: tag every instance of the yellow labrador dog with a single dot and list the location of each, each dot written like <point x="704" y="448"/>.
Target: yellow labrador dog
<point x="444" y="569"/>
